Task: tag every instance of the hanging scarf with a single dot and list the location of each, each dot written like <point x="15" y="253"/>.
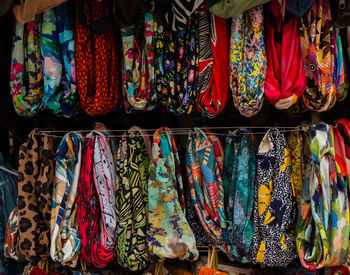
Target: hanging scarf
<point x="57" y="49"/>
<point x="213" y="78"/>
<point x="138" y="72"/>
<point x="204" y="165"/>
<point x="26" y="74"/>
<point x="65" y="243"/>
<point x="177" y="66"/>
<point x="239" y="186"/>
<point x="132" y="201"/>
<point x="97" y="62"/>
<point x="317" y="42"/>
<point x="285" y="74"/>
<point x="323" y="220"/>
<point x="169" y="234"/>
<point x="36" y="174"/>
<point x="274" y="205"/>
<point x="341" y="83"/>
<point x="248" y="61"/>
<point x="298" y="145"/>
<point x="299" y="7"/>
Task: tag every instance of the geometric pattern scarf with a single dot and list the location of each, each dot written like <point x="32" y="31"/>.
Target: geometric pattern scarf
<point x="248" y="61"/>
<point x="65" y="243"/>
<point x="169" y="234"/>
<point x="285" y="74"/>
<point x="213" y="80"/>
<point x="274" y="205"/>
<point x="239" y="186"/>
<point x="138" y="71"/>
<point x="132" y="201"/>
<point x="26" y="68"/>
<point x="204" y="165"/>
<point x="323" y="220"/>
<point x="57" y="49"/>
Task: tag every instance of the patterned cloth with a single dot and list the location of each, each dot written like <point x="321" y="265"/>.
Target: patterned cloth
<point x="57" y="49"/>
<point x="213" y="78"/>
<point x="138" y="72"/>
<point x="132" y="201"/>
<point x="36" y="175"/>
<point x="285" y="74"/>
<point x="323" y="220"/>
<point x="97" y="62"/>
<point x="239" y="186"/>
<point x="274" y="205"/>
<point x="26" y="73"/>
<point x="204" y="165"/>
<point x="177" y="66"/>
<point x="317" y="42"/>
<point x="248" y="61"/>
<point x="65" y="242"/>
<point x="169" y="234"/>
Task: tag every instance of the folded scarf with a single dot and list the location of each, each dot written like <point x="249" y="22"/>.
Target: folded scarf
<point x="97" y="62"/>
<point x="36" y="175"/>
<point x="323" y="220"/>
<point x="213" y="78"/>
<point x="132" y="201"/>
<point x="204" y="165"/>
<point x="26" y="80"/>
<point x="65" y="242"/>
<point x="239" y="186"/>
<point x="138" y="71"/>
<point x="248" y="61"/>
<point x="177" y="66"/>
<point x="285" y="74"/>
<point x="317" y="43"/>
<point x="169" y="234"/>
<point x="274" y="205"/>
<point x="57" y="49"/>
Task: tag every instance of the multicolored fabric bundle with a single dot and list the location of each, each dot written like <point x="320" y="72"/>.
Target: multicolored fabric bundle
<point x="132" y="201"/>
<point x="169" y="234"/>
<point x="248" y="61"/>
<point x="204" y="165"/>
<point x="97" y="62"/>
<point x="239" y="186"/>
<point x="26" y="81"/>
<point x="274" y="204"/>
<point x="213" y="78"/>
<point x="318" y="41"/>
<point x="323" y="221"/>
<point x="138" y="72"/>
<point x="36" y="174"/>
<point x="65" y="242"/>
<point x="285" y="74"/>
<point x="58" y="49"/>
<point x="177" y="66"/>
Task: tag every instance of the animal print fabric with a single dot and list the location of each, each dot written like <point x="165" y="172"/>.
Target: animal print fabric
<point x="36" y="167"/>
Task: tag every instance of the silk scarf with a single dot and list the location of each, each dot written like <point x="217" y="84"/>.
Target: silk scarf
<point x="65" y="242"/>
<point x="36" y="175"/>
<point x="213" y="64"/>
<point x="239" y="185"/>
<point x="274" y="203"/>
<point x="317" y="43"/>
<point x="248" y="61"/>
<point x="204" y="165"/>
<point x="138" y="70"/>
<point x="285" y="74"/>
<point x="323" y="220"/>
<point x="97" y="62"/>
<point x="132" y="201"/>
<point x="169" y="234"/>
<point x="26" y="80"/>
<point x="177" y="66"/>
<point x="57" y="49"/>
